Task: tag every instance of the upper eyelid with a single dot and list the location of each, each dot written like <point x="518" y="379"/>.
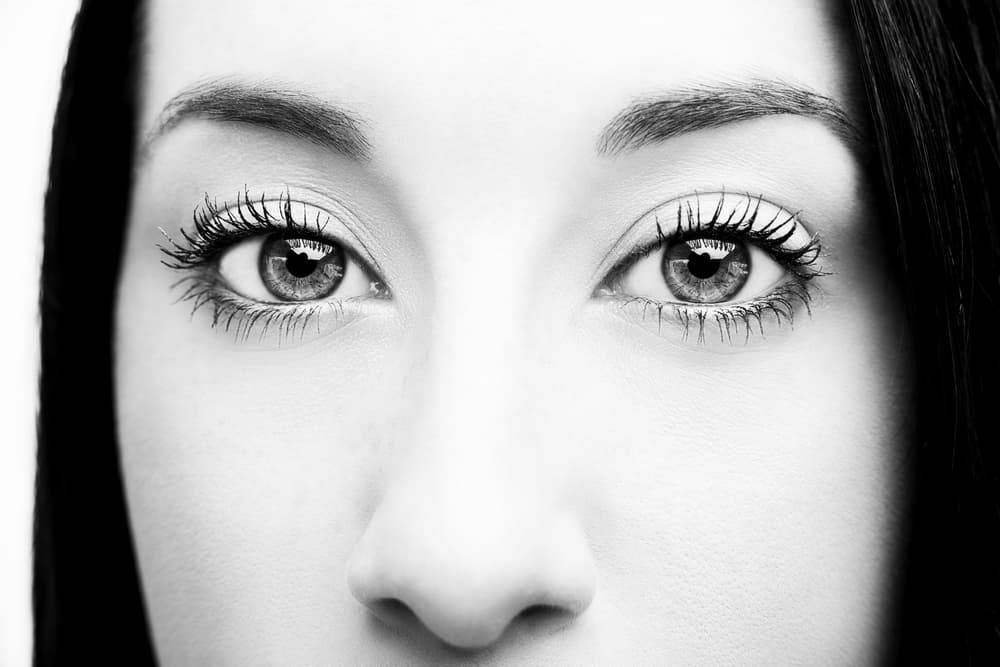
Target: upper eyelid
<point x="214" y="209"/>
<point x="615" y="256"/>
<point x="351" y="222"/>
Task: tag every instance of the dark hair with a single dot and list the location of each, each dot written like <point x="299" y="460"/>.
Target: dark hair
<point x="929" y="71"/>
<point x="87" y="599"/>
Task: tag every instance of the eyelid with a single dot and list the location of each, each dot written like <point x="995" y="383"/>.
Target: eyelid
<point x="737" y="215"/>
<point x="219" y="226"/>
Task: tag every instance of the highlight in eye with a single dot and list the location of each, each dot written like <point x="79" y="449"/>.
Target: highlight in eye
<point x="269" y="263"/>
<point x="735" y="261"/>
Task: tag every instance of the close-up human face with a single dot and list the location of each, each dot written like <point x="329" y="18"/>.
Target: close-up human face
<point x="532" y="334"/>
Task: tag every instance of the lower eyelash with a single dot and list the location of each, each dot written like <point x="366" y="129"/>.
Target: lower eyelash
<point x="728" y="320"/>
<point x="233" y="313"/>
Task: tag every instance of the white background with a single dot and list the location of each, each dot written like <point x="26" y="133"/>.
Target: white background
<point x="34" y="35"/>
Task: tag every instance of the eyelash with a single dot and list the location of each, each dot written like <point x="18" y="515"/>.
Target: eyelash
<point x="780" y="303"/>
<point x="218" y="228"/>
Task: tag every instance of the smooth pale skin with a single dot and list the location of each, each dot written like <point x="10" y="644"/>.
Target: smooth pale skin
<point x="493" y="438"/>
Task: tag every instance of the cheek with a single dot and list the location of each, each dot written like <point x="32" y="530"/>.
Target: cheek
<point x="249" y="478"/>
<point x="754" y="491"/>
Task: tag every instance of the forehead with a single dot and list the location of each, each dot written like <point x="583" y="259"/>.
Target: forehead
<point x="460" y="66"/>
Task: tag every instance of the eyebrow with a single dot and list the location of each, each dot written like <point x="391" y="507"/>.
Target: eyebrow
<point x="287" y="111"/>
<point x="655" y="120"/>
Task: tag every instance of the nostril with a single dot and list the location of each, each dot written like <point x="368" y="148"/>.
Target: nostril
<point x="540" y="618"/>
<point x="545" y="618"/>
<point x="393" y="611"/>
<point x="399" y="616"/>
<point x="392" y="604"/>
<point x="537" y="579"/>
<point x="396" y="614"/>
<point x="538" y="612"/>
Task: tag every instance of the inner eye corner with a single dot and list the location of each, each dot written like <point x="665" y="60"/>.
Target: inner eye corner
<point x="608" y="281"/>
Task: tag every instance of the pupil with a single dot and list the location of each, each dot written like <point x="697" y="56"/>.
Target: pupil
<point x="702" y="266"/>
<point x="298" y="264"/>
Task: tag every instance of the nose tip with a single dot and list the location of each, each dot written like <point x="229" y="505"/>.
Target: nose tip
<point x="468" y="586"/>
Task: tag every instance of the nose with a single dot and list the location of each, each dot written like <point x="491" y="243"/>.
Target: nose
<point x="475" y="524"/>
<point x="467" y="559"/>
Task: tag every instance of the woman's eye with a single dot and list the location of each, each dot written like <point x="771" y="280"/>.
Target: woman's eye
<point x="702" y="270"/>
<point x="716" y="266"/>
<point x="287" y="268"/>
<point x="276" y="269"/>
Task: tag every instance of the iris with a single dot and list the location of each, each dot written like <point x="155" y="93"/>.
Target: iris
<point x="301" y="269"/>
<point x="705" y="270"/>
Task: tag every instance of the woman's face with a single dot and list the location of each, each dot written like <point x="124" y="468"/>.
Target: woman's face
<point x="560" y="334"/>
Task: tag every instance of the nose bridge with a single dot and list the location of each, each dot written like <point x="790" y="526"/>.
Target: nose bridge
<point x="462" y="525"/>
<point x="469" y="392"/>
<point x="481" y="216"/>
<point x="474" y="381"/>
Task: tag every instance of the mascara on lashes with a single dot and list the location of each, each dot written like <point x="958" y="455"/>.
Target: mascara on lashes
<point x="740" y="224"/>
<point x="218" y="228"/>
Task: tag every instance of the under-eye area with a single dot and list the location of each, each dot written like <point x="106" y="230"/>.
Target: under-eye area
<point x="717" y="266"/>
<point x="266" y="266"/>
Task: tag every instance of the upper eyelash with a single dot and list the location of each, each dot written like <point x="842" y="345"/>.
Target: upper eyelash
<point x="771" y="237"/>
<point x="216" y="228"/>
